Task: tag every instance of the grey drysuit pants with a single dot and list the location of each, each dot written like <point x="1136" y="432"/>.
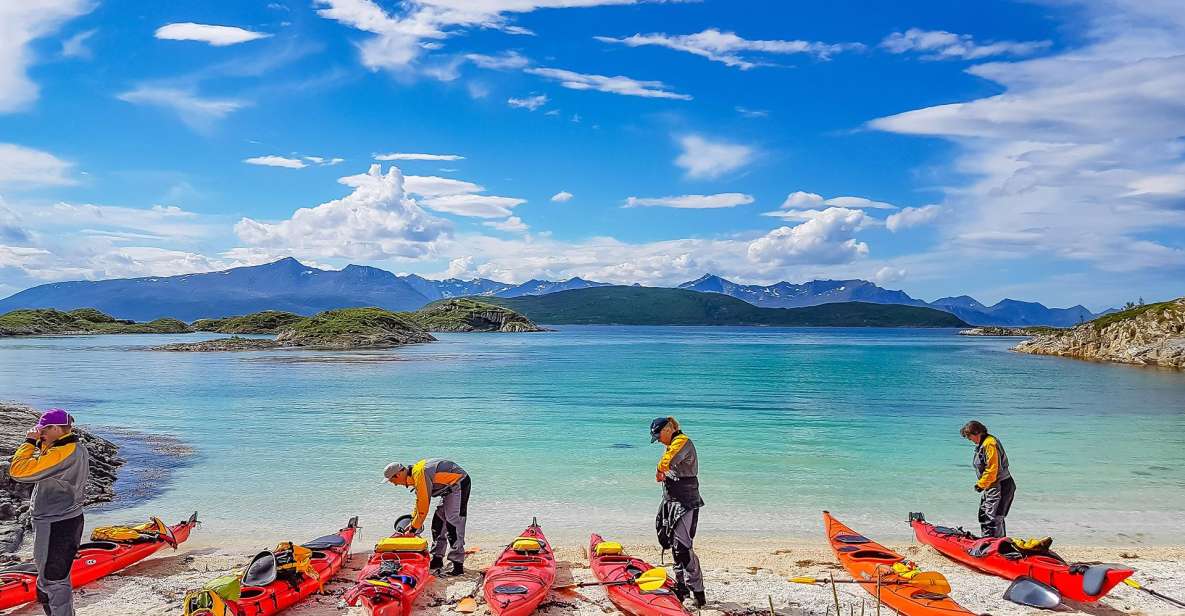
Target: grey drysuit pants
<point x="994" y="505"/>
<point x="54" y="546"/>
<point x="448" y="523"/>
<point x="687" y="569"/>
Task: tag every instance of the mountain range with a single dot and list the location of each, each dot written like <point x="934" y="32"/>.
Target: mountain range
<point x="292" y="286"/>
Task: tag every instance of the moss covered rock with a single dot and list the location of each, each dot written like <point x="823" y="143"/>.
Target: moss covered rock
<point x="353" y="328"/>
<point x="467" y="315"/>
<point x="265" y="322"/>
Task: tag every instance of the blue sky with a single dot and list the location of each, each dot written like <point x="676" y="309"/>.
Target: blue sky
<point x="1033" y="150"/>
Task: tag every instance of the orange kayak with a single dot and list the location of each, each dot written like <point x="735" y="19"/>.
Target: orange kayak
<point x="865" y="560"/>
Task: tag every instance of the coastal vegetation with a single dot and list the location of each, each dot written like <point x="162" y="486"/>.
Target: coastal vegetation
<point x="264" y="322"/>
<point x="1009" y="331"/>
<point x="352" y="328"/>
<point x="1151" y="334"/>
<point x="469" y="315"/>
<point x="47" y="321"/>
<point x="662" y="306"/>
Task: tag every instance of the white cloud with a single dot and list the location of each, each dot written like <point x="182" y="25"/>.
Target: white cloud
<point x="218" y="36"/>
<point x="705" y="159"/>
<point x="529" y="102"/>
<point x="801" y="205"/>
<point x="26" y="167"/>
<point x="693" y="202"/>
<point x="752" y="113"/>
<point x="198" y="113"/>
<point x="507" y="60"/>
<point x="477" y="206"/>
<point x="625" y="86"/>
<point x="514" y="224"/>
<point x="75" y="46"/>
<point x="159" y="221"/>
<point x="401" y="37"/>
<point x="323" y="161"/>
<point x="414" y="156"/>
<point x="727" y="47"/>
<point x="276" y="161"/>
<point x="888" y="274"/>
<point x="1048" y="168"/>
<point x="21" y="22"/>
<point x="433" y="186"/>
<point x="375" y="221"/>
<point x="859" y="203"/>
<point x="826" y="238"/>
<point x="942" y="45"/>
<point x="562" y="197"/>
<point x="912" y="217"/>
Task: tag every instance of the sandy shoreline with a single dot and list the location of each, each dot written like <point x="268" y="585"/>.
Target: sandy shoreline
<point x="742" y="576"/>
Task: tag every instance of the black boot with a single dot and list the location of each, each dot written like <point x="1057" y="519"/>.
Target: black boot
<point x="458" y="569"/>
<point x="437" y="563"/>
<point x="700" y="598"/>
<point x="682" y="591"/>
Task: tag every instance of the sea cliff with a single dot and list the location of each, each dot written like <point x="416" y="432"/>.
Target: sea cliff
<point x="1152" y="335"/>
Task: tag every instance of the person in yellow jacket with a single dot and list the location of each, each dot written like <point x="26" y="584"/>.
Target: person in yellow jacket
<point x="444" y="479"/>
<point x="993" y="479"/>
<point x="57" y="464"/>
<point x="678" y="515"/>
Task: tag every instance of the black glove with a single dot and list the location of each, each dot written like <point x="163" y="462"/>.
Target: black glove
<point x="977" y="488"/>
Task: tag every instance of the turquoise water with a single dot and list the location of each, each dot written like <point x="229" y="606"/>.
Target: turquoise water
<point x="787" y="421"/>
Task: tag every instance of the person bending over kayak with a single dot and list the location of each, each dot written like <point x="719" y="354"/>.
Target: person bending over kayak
<point x="994" y="479"/>
<point x="52" y="459"/>
<point x="431" y="479"/>
<point x="678" y="515"/>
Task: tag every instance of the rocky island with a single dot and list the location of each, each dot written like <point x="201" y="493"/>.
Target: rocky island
<point x="1152" y="335"/>
<point x="14" y="497"/>
<point x="264" y="322"/>
<point x="47" y="321"/>
<point x="468" y="315"/>
<point x="1008" y="331"/>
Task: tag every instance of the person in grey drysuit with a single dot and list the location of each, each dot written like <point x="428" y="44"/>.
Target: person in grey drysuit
<point x="57" y="464"/>
<point x="993" y="479"/>
<point x="444" y="479"/>
<point x="678" y="515"/>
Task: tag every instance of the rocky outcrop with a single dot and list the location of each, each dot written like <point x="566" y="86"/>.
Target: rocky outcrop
<point x="265" y="322"/>
<point x="15" y="420"/>
<point x="234" y="343"/>
<point x="1151" y="335"/>
<point x="353" y="328"/>
<point x="47" y="321"/>
<point x="466" y="315"/>
<point x="1008" y="331"/>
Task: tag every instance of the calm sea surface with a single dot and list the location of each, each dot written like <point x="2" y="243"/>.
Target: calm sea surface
<point x="787" y="422"/>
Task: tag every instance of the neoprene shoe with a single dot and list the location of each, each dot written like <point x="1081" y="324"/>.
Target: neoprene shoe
<point x="437" y="563"/>
<point x="458" y="569"/>
<point x="700" y="598"/>
<point x="681" y="592"/>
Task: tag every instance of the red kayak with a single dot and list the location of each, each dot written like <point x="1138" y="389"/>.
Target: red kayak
<point x="521" y="577"/>
<point x="330" y="553"/>
<point x="96" y="559"/>
<point x="611" y="565"/>
<point x="394" y="576"/>
<point x="1002" y="557"/>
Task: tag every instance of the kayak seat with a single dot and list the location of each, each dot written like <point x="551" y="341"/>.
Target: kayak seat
<point x="1095" y="577"/>
<point x="29" y="568"/>
<point x="326" y="542"/>
<point x="881" y="555"/>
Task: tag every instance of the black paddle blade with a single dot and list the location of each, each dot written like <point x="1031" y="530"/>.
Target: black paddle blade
<point x="1030" y="592"/>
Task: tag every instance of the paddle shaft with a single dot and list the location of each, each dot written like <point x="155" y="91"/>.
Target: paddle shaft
<point x="1163" y="597"/>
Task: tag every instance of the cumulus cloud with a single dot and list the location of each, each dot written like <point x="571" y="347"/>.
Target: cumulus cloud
<point x="704" y="159"/>
<point x="888" y="274"/>
<point x="942" y="45"/>
<point x="375" y="221"/>
<point x="530" y="102"/>
<point x="195" y="111"/>
<point x="912" y="217"/>
<point x="562" y="197"/>
<point x="827" y="237"/>
<point x="20" y="24"/>
<point x="692" y="202"/>
<point x="727" y="47"/>
<point x="276" y="161"/>
<point x="625" y="86"/>
<point x="1050" y="163"/>
<point x="218" y="36"/>
<point x="514" y="224"/>
<point x="26" y="167"/>
<point x="416" y="156"/>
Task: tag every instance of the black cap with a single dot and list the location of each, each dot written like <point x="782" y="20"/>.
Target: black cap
<point x="656" y="426"/>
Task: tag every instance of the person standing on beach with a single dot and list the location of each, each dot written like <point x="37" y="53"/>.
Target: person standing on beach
<point x="430" y="479"/>
<point x="994" y="481"/>
<point x="52" y="459"/>
<point x="678" y="515"/>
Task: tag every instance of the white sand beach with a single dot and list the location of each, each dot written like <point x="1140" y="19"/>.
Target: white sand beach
<point x="743" y="576"/>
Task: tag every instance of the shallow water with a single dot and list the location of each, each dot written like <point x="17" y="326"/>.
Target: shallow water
<point x="788" y="422"/>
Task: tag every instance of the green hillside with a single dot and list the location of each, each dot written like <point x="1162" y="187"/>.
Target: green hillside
<point x="661" y="306"/>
